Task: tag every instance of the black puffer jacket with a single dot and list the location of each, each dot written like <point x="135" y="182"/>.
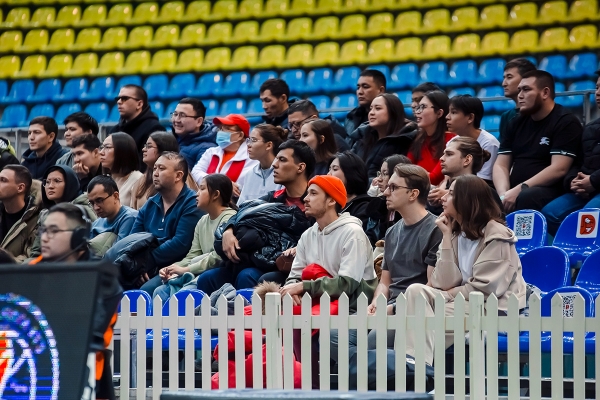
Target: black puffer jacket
<point x="133" y="256"/>
<point x="589" y="163"/>
<point x="359" y="207"/>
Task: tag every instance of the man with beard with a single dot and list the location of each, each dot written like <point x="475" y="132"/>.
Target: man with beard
<point x="538" y="149"/>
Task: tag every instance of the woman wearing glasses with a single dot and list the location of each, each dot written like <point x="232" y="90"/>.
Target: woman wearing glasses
<point x="119" y="159"/>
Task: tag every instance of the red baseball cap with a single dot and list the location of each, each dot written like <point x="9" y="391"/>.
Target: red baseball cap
<point x="234" y="119"/>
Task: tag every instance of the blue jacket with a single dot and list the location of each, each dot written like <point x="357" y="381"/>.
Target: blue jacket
<point x="174" y="230"/>
<point x="193" y="145"/>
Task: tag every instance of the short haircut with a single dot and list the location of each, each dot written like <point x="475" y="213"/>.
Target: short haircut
<point x="522" y="65"/>
<point x="197" y="105"/>
<point x="543" y="80"/>
<point x="22" y="175"/>
<point x="84" y="120"/>
<point x="378" y="76"/>
<point x="89" y="141"/>
<point x="74" y="214"/>
<point x="302" y="154"/>
<point x="180" y="163"/>
<point x="273" y="134"/>
<point x="108" y="183"/>
<point x="48" y="123"/>
<point x="306" y="107"/>
<point x="468" y="104"/>
<point x="126" y="154"/>
<point x="140" y="93"/>
<point x="278" y="87"/>
<point x="467" y="145"/>
<point x="426" y="87"/>
<point x="355" y="172"/>
<point x="416" y="177"/>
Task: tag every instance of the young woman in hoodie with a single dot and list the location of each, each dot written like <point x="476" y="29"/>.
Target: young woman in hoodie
<point x="477" y="254"/>
<point x="318" y="135"/>
<point x="119" y="158"/>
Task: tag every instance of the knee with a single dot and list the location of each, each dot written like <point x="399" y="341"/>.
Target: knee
<point x="414" y="290"/>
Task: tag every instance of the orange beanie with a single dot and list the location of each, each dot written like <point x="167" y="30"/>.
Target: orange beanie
<point x="333" y="186"/>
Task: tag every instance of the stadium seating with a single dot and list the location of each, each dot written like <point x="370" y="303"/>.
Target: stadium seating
<point x="67" y="16"/>
<point x="58" y="66"/>
<point x="573" y="236"/>
<point x="61" y="39"/>
<point x="136" y="63"/>
<point x="589" y="274"/>
<point x="93" y="15"/>
<point x="100" y="89"/>
<point x="45" y="91"/>
<point x="546" y="267"/>
<point x="19" y="92"/>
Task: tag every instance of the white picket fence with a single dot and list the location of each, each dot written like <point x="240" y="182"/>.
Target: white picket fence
<point x="482" y="323"/>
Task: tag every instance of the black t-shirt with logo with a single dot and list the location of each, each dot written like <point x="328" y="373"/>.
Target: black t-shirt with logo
<point x="533" y="143"/>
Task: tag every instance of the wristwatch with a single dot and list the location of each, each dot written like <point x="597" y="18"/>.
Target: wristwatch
<point x="524" y="186"/>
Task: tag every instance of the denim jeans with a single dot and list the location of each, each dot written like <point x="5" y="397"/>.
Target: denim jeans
<point x="240" y="277"/>
<point x="558" y="209"/>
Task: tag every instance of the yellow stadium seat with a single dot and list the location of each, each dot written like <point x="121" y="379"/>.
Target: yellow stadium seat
<point x="216" y="59"/>
<point x="83" y="65"/>
<point x="136" y="63"/>
<point x="110" y="64"/>
<point x="87" y="39"/>
<point x="67" y="16"/>
<point x="465" y="45"/>
<point x="93" y="15"/>
<point x="408" y="49"/>
<point x="437" y="47"/>
<point x="554" y="39"/>
<point x="16" y="17"/>
<point x="32" y="67"/>
<point x="62" y="39"/>
<point x="522" y="14"/>
<point x="464" y="19"/>
<point x="302" y="7"/>
<point x="325" y="53"/>
<point x="325" y="28"/>
<point x="329" y="7"/>
<point x="353" y="52"/>
<point x="245" y="31"/>
<point x="494" y="43"/>
<point x="271" y="56"/>
<point x="436" y="20"/>
<point x="298" y="55"/>
<point x="43" y="16"/>
<point x="192" y="35"/>
<point x="408" y="22"/>
<point x="356" y="5"/>
<point x="298" y="29"/>
<point x="170" y="12"/>
<point x="582" y="10"/>
<point x="381" y="24"/>
<point x="144" y="13"/>
<point x="162" y="61"/>
<point x="493" y="16"/>
<point x="352" y="26"/>
<point x="140" y="36"/>
<point x="189" y="60"/>
<point x="113" y="38"/>
<point x="249" y="9"/>
<point x="404" y="4"/>
<point x="552" y="11"/>
<point x="35" y="40"/>
<point x="196" y="11"/>
<point x="524" y="41"/>
<point x="218" y="33"/>
<point x="244" y="57"/>
<point x="381" y="50"/>
<point x="271" y="30"/>
<point x="58" y="65"/>
<point x="583" y="36"/>
<point x="378" y="5"/>
<point x="9" y="66"/>
<point x="222" y="10"/>
<point x="119" y="14"/>
<point x="10" y="40"/>
<point x="276" y="8"/>
<point x="165" y="36"/>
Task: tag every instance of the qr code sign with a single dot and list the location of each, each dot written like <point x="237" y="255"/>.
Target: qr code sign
<point x="568" y="305"/>
<point x="524" y="225"/>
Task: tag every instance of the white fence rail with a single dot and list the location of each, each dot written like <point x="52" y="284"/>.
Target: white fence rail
<point x="479" y="368"/>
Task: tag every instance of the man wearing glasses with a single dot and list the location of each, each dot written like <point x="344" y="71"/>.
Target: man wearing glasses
<point x="194" y="134"/>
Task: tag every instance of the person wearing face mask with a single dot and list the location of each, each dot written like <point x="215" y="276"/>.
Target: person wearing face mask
<point x="230" y="157"/>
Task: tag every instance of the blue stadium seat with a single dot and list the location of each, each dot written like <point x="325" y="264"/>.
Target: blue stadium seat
<point x="530" y="228"/>
<point x="99" y="111"/>
<point x="498" y="105"/>
<point x="255" y="107"/>
<point x="546" y="267"/>
<point x="491" y="123"/>
<point x="247" y="293"/>
<point x="234" y="85"/>
<point x="384" y="69"/>
<point x="3" y="88"/>
<point x="233" y="106"/>
<point x="182" y="296"/>
<point x="172" y="105"/>
<point x="577" y="100"/>
<point x="45" y="91"/>
<point x="65" y="110"/>
<point x="345" y="79"/>
<point x="295" y="80"/>
<point x="578" y="234"/>
<point x="556" y="65"/>
<point x="156" y="86"/>
<point x="73" y="90"/>
<point x="461" y="91"/>
<point x="589" y="275"/>
<point x="208" y="84"/>
<point x="133" y="296"/>
<point x="491" y="71"/>
<point x="559" y="87"/>
<point x="114" y="115"/>
<point x="14" y="115"/>
<point x="321" y="102"/>
<point x="181" y="85"/>
<point x="212" y="107"/>
<point x="319" y="80"/>
<point x="463" y="72"/>
<point x="41" y="110"/>
<point x="100" y="89"/>
<point x="343" y="101"/>
<point x="158" y="108"/>
<point x="126" y="80"/>
<point x="404" y="76"/>
<point x="405" y="97"/>
<point x="253" y="88"/>
<point x="19" y="92"/>
<point x="582" y="65"/>
<point x="436" y="71"/>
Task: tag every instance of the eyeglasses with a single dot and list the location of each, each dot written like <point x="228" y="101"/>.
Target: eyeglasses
<point x="419" y="109"/>
<point x="392" y="187"/>
<point x="253" y="140"/>
<point x="125" y="98"/>
<point x="47" y="182"/>
<point x="98" y="202"/>
<point x="176" y="115"/>
<point x="103" y="147"/>
<point x="147" y="146"/>
<point x="298" y="124"/>
<point x="51" y="231"/>
<point x="380" y="174"/>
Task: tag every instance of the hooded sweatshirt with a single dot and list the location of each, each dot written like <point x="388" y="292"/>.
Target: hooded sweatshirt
<point x="344" y="251"/>
<point x="193" y="145"/>
<point x="38" y="165"/>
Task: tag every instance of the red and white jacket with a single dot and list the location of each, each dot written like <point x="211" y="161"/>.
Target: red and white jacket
<point x="235" y="168"/>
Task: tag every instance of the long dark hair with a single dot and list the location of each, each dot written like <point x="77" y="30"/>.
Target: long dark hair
<point x="396" y="121"/>
<point x="223" y="184"/>
<point x="355" y="171"/>
<point x="273" y="134"/>
<point x="326" y="150"/>
<point x="126" y="154"/>
<point x="164" y="142"/>
<point x="437" y="144"/>
<point x="473" y="200"/>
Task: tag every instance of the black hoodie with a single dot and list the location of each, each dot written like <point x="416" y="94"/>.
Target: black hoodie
<point x="72" y="188"/>
<point x="38" y="165"/>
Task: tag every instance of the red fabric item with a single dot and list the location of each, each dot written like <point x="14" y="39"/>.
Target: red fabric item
<point x="234" y="171"/>
<point x="429" y="162"/>
<point x="310" y="273"/>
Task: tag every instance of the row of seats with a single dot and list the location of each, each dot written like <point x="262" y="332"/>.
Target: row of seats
<point x="521" y="14"/>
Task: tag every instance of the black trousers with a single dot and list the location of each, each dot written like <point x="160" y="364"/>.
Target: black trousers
<point x="535" y="198"/>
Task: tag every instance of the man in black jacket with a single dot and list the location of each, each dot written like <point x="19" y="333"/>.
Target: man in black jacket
<point x="44" y="148"/>
<point x="371" y="83"/>
<point x="302" y="111"/>
<point x="136" y="117"/>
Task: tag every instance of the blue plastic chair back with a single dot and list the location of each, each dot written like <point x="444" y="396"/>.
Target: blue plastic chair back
<point x="491" y="123"/>
<point x="181" y="296"/>
<point x="566" y="291"/>
<point x="3" y="88"/>
<point x="234" y="84"/>
<point x="578" y="234"/>
<point x="100" y="89"/>
<point x="559" y="87"/>
<point x="233" y="106"/>
<point x="14" y="115"/>
<point x="577" y="100"/>
<point x="556" y="65"/>
<point x="255" y="107"/>
<point x="319" y="80"/>
<point x="589" y="275"/>
<point x="463" y="72"/>
<point x="99" y="111"/>
<point x="343" y="101"/>
<point x="321" y="102"/>
<point x="384" y="69"/>
<point x="73" y="89"/>
<point x="133" y="296"/>
<point x="41" y="110"/>
<point x="212" y="107"/>
<point x="247" y="293"/>
<point x="498" y="105"/>
<point x="582" y="65"/>
<point x="171" y="107"/>
<point x="491" y="71"/>
<point x="462" y="91"/>
<point x="65" y="110"/>
<point x="156" y="86"/>
<point x="19" y="91"/>
<point x="546" y="267"/>
<point x="436" y="71"/>
<point x="404" y="76"/>
<point x="295" y="79"/>
<point x="253" y="88"/>
<point x="159" y="109"/>
<point x="114" y="115"/>
<point x="46" y="90"/>
<point x="530" y="228"/>
<point x="181" y="85"/>
<point x="345" y="79"/>
<point x="405" y="96"/>
<point x="209" y="84"/>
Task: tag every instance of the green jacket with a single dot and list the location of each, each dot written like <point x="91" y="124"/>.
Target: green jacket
<point x="21" y="236"/>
